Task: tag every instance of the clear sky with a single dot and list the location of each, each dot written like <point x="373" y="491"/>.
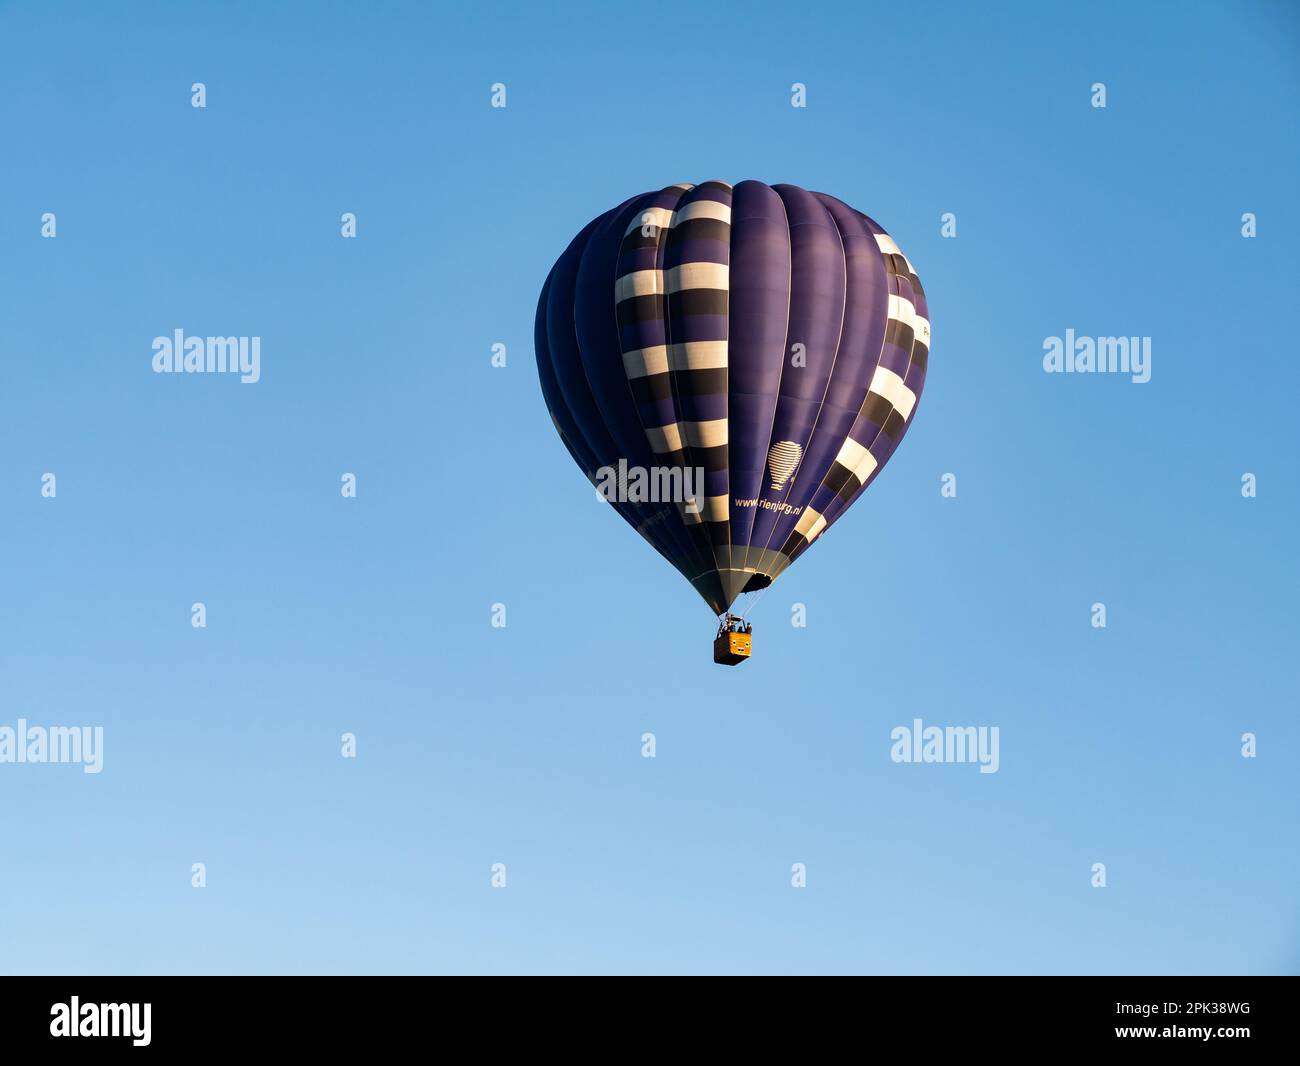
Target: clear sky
<point x="479" y="745"/>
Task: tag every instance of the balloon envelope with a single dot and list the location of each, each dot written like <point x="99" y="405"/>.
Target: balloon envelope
<point x="732" y="367"/>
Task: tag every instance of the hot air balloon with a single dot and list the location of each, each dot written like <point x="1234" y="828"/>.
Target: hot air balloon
<point x="759" y="350"/>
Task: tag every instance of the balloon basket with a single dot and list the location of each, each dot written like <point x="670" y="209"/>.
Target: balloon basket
<point x="732" y="645"/>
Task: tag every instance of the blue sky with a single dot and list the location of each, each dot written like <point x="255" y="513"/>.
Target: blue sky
<point x="522" y="745"/>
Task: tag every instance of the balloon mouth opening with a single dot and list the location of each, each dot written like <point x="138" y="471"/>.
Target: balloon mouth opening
<point x="758" y="581"/>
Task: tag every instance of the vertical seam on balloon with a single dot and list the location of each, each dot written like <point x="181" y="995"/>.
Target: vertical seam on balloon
<point x="699" y="540"/>
<point x="699" y="533"/>
<point x="688" y="451"/>
<point x="789" y="298"/>
<point x="683" y="549"/>
<point x="661" y="261"/>
<point x="907" y="422"/>
<point x="910" y="351"/>
<point x="879" y="355"/>
<point x="889" y="272"/>
<point x="826" y="391"/>
<point x="726" y="389"/>
<point x="697" y="555"/>
<point x="628" y="508"/>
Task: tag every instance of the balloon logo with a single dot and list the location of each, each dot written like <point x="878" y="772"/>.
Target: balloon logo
<point x="759" y="350"/>
<point x="782" y="459"/>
